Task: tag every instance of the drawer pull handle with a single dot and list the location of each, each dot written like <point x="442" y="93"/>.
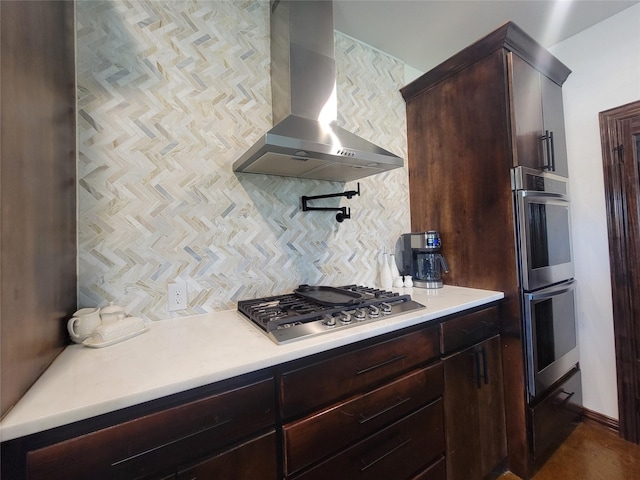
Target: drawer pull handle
<point x="219" y="423"/>
<point x="482" y="368"/>
<point x="476" y="355"/>
<point x="383" y="456"/>
<point x="563" y="402"/>
<point x="485" y="367"/>
<point x="472" y="332"/>
<point x="380" y="365"/>
<point x="385" y="410"/>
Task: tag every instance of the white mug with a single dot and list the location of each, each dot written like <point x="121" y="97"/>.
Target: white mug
<point x="83" y="323"/>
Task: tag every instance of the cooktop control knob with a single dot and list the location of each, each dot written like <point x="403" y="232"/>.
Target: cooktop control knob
<point x="329" y="321"/>
<point x="345" y="318"/>
<point x="385" y="308"/>
<point x="373" y="311"/>
<point x="360" y="314"/>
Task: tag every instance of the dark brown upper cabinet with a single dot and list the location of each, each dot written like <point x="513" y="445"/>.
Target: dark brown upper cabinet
<point x="538" y="119"/>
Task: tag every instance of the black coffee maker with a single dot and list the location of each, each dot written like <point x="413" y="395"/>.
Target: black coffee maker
<point x="422" y="258"/>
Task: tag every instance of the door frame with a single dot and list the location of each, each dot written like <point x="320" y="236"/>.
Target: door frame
<point x="622" y="203"/>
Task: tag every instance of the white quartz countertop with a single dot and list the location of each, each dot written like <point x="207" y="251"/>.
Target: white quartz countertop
<point x="183" y="353"/>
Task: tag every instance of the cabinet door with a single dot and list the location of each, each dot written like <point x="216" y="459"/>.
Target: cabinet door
<point x="538" y="119"/>
<point x="474" y="411"/>
<point x="526" y="110"/>
<point x="553" y="116"/>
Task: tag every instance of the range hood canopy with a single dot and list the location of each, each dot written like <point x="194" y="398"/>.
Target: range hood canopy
<point x="306" y="142"/>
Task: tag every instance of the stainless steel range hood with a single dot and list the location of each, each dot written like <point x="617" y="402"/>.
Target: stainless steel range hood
<point x="306" y="142"/>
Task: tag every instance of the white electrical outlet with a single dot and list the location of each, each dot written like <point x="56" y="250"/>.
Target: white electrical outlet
<point x="177" y="296"/>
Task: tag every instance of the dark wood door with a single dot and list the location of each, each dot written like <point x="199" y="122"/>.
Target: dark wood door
<point x="474" y="406"/>
<point x="620" y="136"/>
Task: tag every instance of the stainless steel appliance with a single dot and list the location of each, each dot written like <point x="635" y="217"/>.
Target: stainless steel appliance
<point x="550" y="335"/>
<point x="422" y="258"/>
<point x="544" y="230"/>
<point x="546" y="276"/>
<point x="316" y="310"/>
<point x="305" y="141"/>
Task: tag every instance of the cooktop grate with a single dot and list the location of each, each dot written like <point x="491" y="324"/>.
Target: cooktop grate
<point x="302" y="316"/>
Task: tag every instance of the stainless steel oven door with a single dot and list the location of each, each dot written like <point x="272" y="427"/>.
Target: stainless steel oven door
<point x="551" y="342"/>
<point x="544" y="235"/>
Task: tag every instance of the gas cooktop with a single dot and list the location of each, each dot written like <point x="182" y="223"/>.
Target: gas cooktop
<point x="315" y="310"/>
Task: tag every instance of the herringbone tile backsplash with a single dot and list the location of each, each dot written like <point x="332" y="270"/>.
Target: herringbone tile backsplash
<point x="170" y="94"/>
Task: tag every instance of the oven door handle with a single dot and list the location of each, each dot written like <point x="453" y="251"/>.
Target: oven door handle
<point x="551" y="291"/>
<point x="542" y="196"/>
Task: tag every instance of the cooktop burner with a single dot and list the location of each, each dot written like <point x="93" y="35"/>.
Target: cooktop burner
<point x="313" y="310"/>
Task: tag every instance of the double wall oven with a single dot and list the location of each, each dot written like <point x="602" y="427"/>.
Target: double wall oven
<point x="546" y="277"/>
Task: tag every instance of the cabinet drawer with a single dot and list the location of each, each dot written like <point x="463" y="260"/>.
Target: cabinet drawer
<point x="161" y="440"/>
<point x="461" y="332"/>
<point x="253" y="460"/>
<point x="318" y="435"/>
<point x="556" y="416"/>
<point x="398" y="451"/>
<point x="437" y="471"/>
<point x="320" y="384"/>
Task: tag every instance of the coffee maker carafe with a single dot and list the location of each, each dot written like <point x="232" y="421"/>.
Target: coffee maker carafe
<point x="422" y="258"/>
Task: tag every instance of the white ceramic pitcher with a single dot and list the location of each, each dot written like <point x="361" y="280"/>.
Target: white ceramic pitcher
<point x="83" y="323"/>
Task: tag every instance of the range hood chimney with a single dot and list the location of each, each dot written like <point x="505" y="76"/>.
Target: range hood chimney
<point x="305" y="141"/>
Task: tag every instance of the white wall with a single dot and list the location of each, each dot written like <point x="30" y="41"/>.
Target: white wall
<point x="605" y="61"/>
<point x="410" y="74"/>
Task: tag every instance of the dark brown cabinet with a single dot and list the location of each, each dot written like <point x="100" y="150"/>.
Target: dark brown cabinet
<point x="160" y="444"/>
<point x="556" y="415"/>
<point x="470" y="120"/>
<point x="373" y="412"/>
<point x="538" y="118"/>
<point x="395" y="452"/>
<point x="313" y="386"/>
<point x="320" y="434"/>
<point x="474" y="411"/>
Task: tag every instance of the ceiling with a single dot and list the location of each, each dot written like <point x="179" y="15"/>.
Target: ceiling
<point x="423" y="33"/>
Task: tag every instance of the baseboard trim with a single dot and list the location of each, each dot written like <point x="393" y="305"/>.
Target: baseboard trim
<point x="599" y="418"/>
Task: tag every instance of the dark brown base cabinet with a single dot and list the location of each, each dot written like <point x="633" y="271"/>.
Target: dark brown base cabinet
<point x="555" y="416"/>
<point x="474" y="411"/>
<point x="476" y="443"/>
<point x="380" y="408"/>
<point x="210" y="434"/>
<point x="375" y="412"/>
